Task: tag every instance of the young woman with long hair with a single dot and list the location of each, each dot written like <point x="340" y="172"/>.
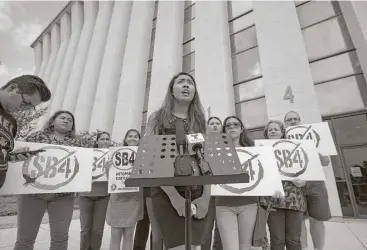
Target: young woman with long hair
<point x="182" y="103"/>
<point x="125" y="209"/>
<point x="59" y="130"/>
<point x="93" y="206"/>
<point x="214" y="125"/>
<point x="236" y="216"/>
<point x="285" y="224"/>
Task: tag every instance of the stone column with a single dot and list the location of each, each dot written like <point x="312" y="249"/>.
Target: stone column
<point x="213" y="65"/>
<point x="287" y="78"/>
<point x="84" y="105"/>
<point x="65" y="27"/>
<point x="109" y="79"/>
<point x="129" y="105"/>
<point x="46" y="47"/>
<point x="62" y="82"/>
<point x="167" y="57"/>
<point x="37" y="57"/>
<point x="55" y="44"/>
<point x="77" y="70"/>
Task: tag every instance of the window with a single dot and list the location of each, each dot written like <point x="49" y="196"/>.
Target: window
<point x="188" y="34"/>
<point x="249" y="90"/>
<point x="340" y="96"/>
<point x="335" y="67"/>
<point x="351" y="129"/>
<point x="253" y="113"/>
<point x="241" y="23"/>
<point x="326" y="39"/>
<point x="188" y="47"/>
<point x="188" y="63"/>
<point x="246" y="65"/>
<point x="316" y="11"/>
<point x="237" y="8"/>
<point x="243" y="40"/>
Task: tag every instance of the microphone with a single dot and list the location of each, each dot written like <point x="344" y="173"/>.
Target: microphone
<point x="195" y="147"/>
<point x="180" y="136"/>
<point x="182" y="164"/>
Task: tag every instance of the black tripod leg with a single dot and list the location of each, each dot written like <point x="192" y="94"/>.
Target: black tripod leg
<point x="188" y="219"/>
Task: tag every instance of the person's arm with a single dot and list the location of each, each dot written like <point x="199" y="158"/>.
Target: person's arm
<point x="3" y="172"/>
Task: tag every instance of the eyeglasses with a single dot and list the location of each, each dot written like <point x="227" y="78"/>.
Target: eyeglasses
<point x="234" y="125"/>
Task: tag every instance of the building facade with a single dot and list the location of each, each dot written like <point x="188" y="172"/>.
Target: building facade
<point x="110" y="64"/>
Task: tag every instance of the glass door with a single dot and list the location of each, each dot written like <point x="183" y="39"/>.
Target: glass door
<point x="355" y="160"/>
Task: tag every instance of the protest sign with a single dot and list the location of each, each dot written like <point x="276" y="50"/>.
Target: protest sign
<point x="296" y="159"/>
<point x="100" y="164"/>
<point x="59" y="169"/>
<point x="319" y="133"/>
<point x="260" y="164"/>
<point x="122" y="160"/>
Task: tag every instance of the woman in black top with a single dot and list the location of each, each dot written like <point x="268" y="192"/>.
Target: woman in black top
<point x="181" y="103"/>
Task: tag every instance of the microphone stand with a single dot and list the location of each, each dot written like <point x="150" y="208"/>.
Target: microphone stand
<point x="187" y="211"/>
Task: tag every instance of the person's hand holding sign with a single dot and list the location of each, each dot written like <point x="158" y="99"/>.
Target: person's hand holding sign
<point x="202" y="205"/>
<point x="325" y="160"/>
<point x="23" y="154"/>
<point x="299" y="183"/>
<point x="277" y="195"/>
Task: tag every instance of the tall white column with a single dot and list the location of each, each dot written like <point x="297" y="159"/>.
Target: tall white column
<point x="354" y="13"/>
<point x="55" y="44"/>
<point x="65" y="26"/>
<point x="213" y="65"/>
<point x="77" y="70"/>
<point x="37" y="57"/>
<point x="84" y="105"/>
<point x="76" y="26"/>
<point x="46" y="47"/>
<point x="167" y="57"/>
<point x="106" y="95"/>
<point x="287" y="78"/>
<point x="129" y="105"/>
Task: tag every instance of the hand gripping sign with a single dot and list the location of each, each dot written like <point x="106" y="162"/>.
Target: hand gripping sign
<point x="100" y="164"/>
<point x="58" y="169"/>
<point x="122" y="160"/>
<point x="260" y="164"/>
<point x="296" y="159"/>
<point x="319" y="133"/>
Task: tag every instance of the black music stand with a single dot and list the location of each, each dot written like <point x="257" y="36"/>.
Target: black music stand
<point x="153" y="167"/>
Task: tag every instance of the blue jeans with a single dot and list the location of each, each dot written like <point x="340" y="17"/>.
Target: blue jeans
<point x="92" y="220"/>
<point x="30" y="213"/>
<point x="236" y="226"/>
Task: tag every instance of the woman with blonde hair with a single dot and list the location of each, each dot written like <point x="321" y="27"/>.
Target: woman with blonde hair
<point x="59" y="130"/>
<point x="285" y="224"/>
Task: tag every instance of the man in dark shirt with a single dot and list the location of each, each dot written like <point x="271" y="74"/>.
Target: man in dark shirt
<point x="318" y="207"/>
<point x="19" y="94"/>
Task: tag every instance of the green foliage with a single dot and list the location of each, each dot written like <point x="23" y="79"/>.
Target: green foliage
<point x="27" y="122"/>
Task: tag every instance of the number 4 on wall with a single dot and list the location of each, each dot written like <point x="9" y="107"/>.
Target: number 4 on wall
<point x="289" y="95"/>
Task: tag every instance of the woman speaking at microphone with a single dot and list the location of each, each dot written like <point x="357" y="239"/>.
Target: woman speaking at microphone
<point x="181" y="104"/>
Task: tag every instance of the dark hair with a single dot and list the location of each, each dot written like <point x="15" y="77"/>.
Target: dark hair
<point x="299" y="117"/>
<point x="127" y="133"/>
<point x="30" y="84"/>
<point x="196" y="117"/>
<point x="245" y="141"/>
<point x="99" y="134"/>
<point x="214" y="117"/>
<point x="49" y="126"/>
<point x="281" y="125"/>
